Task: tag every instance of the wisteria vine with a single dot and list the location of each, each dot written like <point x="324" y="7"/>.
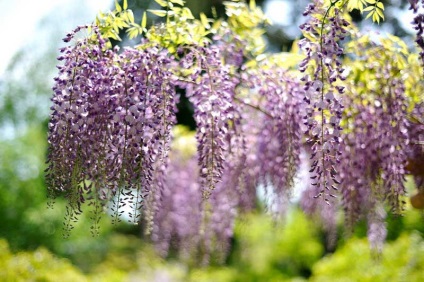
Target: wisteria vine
<point x="111" y="142"/>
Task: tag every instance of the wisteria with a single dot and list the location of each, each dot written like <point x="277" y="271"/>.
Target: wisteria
<point x="177" y="224"/>
<point x="275" y="136"/>
<point x="418" y="24"/>
<point x="115" y="112"/>
<point x="212" y="94"/>
<point x="112" y="148"/>
<point x="323" y="69"/>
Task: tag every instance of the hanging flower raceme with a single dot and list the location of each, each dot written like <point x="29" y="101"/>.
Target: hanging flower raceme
<point x="203" y="228"/>
<point x="275" y="135"/>
<point x="359" y="165"/>
<point x="176" y="225"/>
<point x="106" y="143"/>
<point x="113" y="111"/>
<point x="142" y="121"/>
<point x="375" y="140"/>
<point x="323" y="72"/>
<point x="76" y="144"/>
<point x="418" y="24"/>
<point x="211" y="94"/>
<point x="394" y="142"/>
<point x="360" y="171"/>
<point x="415" y="151"/>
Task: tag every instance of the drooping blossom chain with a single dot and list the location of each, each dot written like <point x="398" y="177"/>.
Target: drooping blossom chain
<point x="103" y="129"/>
<point x="418" y="24"/>
<point x="323" y="69"/>
<point x="275" y="140"/>
<point x="212" y="96"/>
<point x="375" y="143"/>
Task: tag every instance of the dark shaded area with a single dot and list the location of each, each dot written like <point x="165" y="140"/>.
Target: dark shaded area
<point x="185" y="111"/>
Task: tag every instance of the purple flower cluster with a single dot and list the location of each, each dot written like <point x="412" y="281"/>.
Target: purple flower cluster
<point x="215" y="115"/>
<point x="196" y="227"/>
<point x="394" y="142"/>
<point x="113" y="111"/>
<point x="275" y="137"/>
<point x="415" y="151"/>
<point x="373" y="159"/>
<point x="374" y="151"/>
<point x="323" y="69"/>
<point x="109" y="129"/>
<point x="360" y="162"/>
<point x="418" y="24"/>
<point x="261" y="148"/>
<point x="177" y="223"/>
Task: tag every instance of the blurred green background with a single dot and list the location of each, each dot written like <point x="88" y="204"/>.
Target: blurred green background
<point x="31" y="244"/>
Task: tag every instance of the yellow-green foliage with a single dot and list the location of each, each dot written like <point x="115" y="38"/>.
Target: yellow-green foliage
<point x="247" y="22"/>
<point x="184" y="142"/>
<point x="374" y="8"/>
<point x="111" y="23"/>
<point x="213" y="274"/>
<point x="267" y="251"/>
<point x="368" y="55"/>
<point x="401" y="260"/>
<point x="180" y="27"/>
<point x="262" y="251"/>
<point x="39" y="265"/>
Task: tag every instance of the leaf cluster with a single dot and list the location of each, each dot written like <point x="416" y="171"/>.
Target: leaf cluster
<point x="373" y="8"/>
<point x="402" y="260"/>
<point x="367" y="55"/>
<point x="180" y="27"/>
<point x="110" y="23"/>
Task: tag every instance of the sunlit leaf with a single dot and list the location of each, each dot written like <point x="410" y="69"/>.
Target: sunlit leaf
<point x="130" y="16"/>
<point x="369" y="8"/>
<point x="159" y="13"/>
<point x="118" y="7"/>
<point x="162" y="3"/>
<point x="179" y="2"/>
<point x="204" y="20"/>
<point x="144" y="21"/>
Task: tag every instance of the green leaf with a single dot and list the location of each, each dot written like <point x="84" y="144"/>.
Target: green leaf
<point x="204" y="21"/>
<point x="380" y="13"/>
<point x="144" y="20"/>
<point x="369" y="8"/>
<point x="118" y="7"/>
<point x="159" y="13"/>
<point x="356" y="4"/>
<point x="133" y="32"/>
<point x="130" y="16"/>
<point x="179" y="2"/>
<point x="186" y="12"/>
<point x="369" y="15"/>
<point x="162" y="3"/>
